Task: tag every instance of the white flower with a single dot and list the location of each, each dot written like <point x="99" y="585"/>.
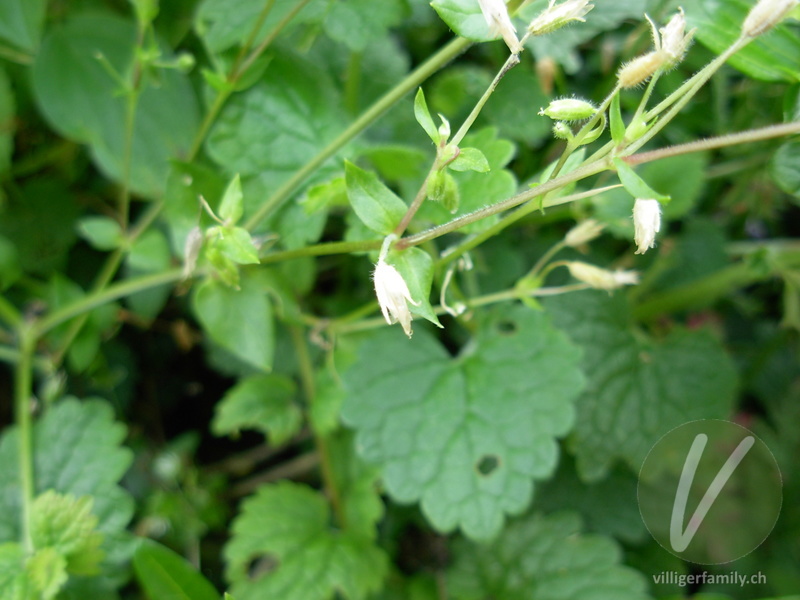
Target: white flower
<point x="555" y="17"/>
<point x="393" y="295"/>
<point x="646" y="223"/>
<point x="765" y="15"/>
<point x="602" y="279"/>
<point x="673" y="39"/>
<point x="496" y="15"/>
<point x="583" y="233"/>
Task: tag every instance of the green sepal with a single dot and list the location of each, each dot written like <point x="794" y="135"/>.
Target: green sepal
<point x="416" y="267"/>
<point x="232" y="205"/>
<point x="423" y="116"/>
<point x="635" y="185"/>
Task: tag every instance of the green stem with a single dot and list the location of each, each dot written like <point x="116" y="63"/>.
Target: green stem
<point x="12" y="356"/>
<point x="310" y="392"/>
<point x="411" y="81"/>
<point x="324" y="249"/>
<point x="731" y="139"/>
<point x="101" y="297"/>
<point x="422" y="194"/>
<point x="22" y="412"/>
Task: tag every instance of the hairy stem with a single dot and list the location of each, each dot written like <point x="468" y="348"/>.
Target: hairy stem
<point x="22" y="414"/>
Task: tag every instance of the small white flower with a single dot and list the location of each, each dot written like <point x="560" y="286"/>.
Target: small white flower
<point x="602" y="279"/>
<point x="646" y="223"/>
<point x="496" y="15"/>
<point x="555" y="17"/>
<point x="583" y="233"/>
<point x="765" y="15"/>
<point x="674" y="41"/>
<point x="393" y="295"/>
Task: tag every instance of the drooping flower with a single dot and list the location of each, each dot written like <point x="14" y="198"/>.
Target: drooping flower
<point x="393" y="295"/>
<point x="499" y="22"/>
<point x="646" y="223"/>
<point x="602" y="279"/>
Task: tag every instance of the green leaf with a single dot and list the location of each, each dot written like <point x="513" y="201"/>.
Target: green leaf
<point x="514" y="119"/>
<point x="416" y="267"/>
<point x="81" y="100"/>
<point x="465" y="18"/>
<point x="544" y="557"/>
<point x="47" y="572"/>
<point x="14" y="583"/>
<point x="374" y="203"/>
<point x="7" y="120"/>
<point x="21" y="22"/>
<point x="785" y="168"/>
<point x="617" y="125"/>
<point x="290" y="523"/>
<point x="234" y="242"/>
<point x="232" y="205"/>
<point x="262" y="402"/>
<point x="635" y="185"/>
<point x="66" y="524"/>
<point x="464" y="436"/>
<point x="638" y="388"/>
<point x="103" y="233"/>
<point x="164" y="574"/>
<point x="356" y="23"/>
<point x="771" y="57"/>
<point x="271" y="130"/>
<point x="238" y="320"/>
<point x="423" y="116"/>
<point x="77" y="451"/>
<point x="470" y="159"/>
<point x="224" y="24"/>
<point x="150" y="253"/>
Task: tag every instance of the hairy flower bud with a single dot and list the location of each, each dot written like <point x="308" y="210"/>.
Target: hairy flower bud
<point x="496" y="15"/>
<point x="569" y="109"/>
<point x="393" y="295"/>
<point x="674" y="41"/>
<point x="641" y="69"/>
<point x="555" y="17"/>
<point x="602" y="279"/>
<point x="583" y="233"/>
<point x="765" y="15"/>
<point x="646" y="223"/>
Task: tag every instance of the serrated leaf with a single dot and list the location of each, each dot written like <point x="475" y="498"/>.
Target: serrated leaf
<point x="238" y="320"/>
<point x="423" y="116"/>
<point x="375" y="204"/>
<point x="262" y="402"/>
<point x="103" y="233"/>
<point x="164" y="574"/>
<point x="46" y="571"/>
<point x="77" y="451"/>
<point x="232" y="205"/>
<point x="21" y="22"/>
<point x="81" y="100"/>
<point x="771" y="57"/>
<point x="544" y="557"/>
<point x="416" y="267"/>
<point x="638" y="388"/>
<point x="464" y="436"/>
<point x="66" y="524"/>
<point x="465" y="18"/>
<point x="289" y="523"/>
<point x="634" y="184"/>
<point x="470" y="159"/>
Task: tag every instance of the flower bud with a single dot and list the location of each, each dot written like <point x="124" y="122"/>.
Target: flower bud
<point x="765" y="15"/>
<point x="561" y="131"/>
<point x="555" y="17"/>
<point x="583" y="233"/>
<point x="674" y="41"/>
<point x="602" y="279"/>
<point x="641" y="69"/>
<point x="496" y="15"/>
<point x="393" y="295"/>
<point x="569" y="109"/>
<point x="646" y="223"/>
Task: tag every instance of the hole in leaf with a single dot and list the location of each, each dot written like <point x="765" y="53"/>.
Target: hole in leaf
<point x="487" y="464"/>
<point x="506" y="327"/>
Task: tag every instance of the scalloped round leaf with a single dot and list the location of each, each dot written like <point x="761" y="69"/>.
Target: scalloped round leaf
<point x="638" y="388"/>
<point x="464" y="436"/>
<point x="544" y="557"/>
